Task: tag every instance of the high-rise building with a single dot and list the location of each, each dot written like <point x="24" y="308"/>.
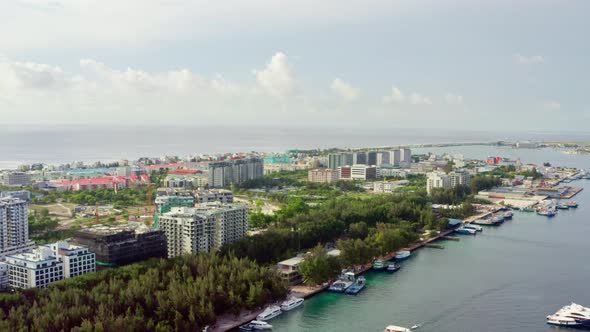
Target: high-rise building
<point x="204" y="228"/>
<point x="16" y="179"/>
<point x="122" y="244"/>
<point x="460" y="177"/>
<point x="223" y="174"/>
<point x="372" y="158"/>
<point x="405" y="155"/>
<point x="383" y="158"/>
<point x="47" y="264"/>
<point x="395" y="157"/>
<point x="437" y="180"/>
<point x="14" y="226"/>
<point x="334" y="160"/>
<point x="359" y="158"/>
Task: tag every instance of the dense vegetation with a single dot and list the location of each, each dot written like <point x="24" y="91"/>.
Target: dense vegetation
<point x="180" y="294"/>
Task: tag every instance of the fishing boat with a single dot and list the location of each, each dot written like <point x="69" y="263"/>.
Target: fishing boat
<point x="269" y="313"/>
<point x="291" y="303"/>
<point x="572" y="204"/>
<point x="256" y="325"/>
<point x="393" y="267"/>
<point x="401" y="255"/>
<point x="357" y="286"/>
<point x="573" y="315"/>
<point x="378" y="265"/>
<point x="466" y="231"/>
<point x="344" y="281"/>
<point x="475" y="227"/>
<point x="395" y="328"/>
<point x="547" y="212"/>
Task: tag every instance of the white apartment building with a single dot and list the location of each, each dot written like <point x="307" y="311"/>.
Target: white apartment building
<point x="459" y="178"/>
<point x="14" y="226"/>
<point x="204" y="228"/>
<point x="48" y="264"/>
<point x="323" y="175"/>
<point x="437" y="180"/>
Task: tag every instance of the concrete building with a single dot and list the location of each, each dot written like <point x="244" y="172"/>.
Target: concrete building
<point x="334" y="160"/>
<point x="204" y="228"/>
<point x="388" y="186"/>
<point x="394" y="157"/>
<point x="405" y="155"/>
<point x="213" y="195"/>
<point x="358" y="172"/>
<point x="124" y="171"/>
<point x="20" y="194"/>
<point x="14" y="226"/>
<point x="460" y="178"/>
<point x="16" y="179"/>
<point x="359" y="158"/>
<point x="48" y="264"/>
<point x="122" y="244"/>
<point x="289" y="270"/>
<point x="323" y="175"/>
<point x="437" y="180"/>
<point x="223" y="174"/>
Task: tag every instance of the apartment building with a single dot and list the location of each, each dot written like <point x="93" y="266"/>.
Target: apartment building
<point x="223" y="174"/>
<point x="15" y="179"/>
<point x="14" y="226"/>
<point x="323" y="175"/>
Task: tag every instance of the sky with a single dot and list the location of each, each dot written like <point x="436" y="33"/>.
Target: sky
<point x="452" y="64"/>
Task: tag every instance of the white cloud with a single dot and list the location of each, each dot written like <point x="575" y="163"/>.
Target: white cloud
<point x="453" y="99"/>
<point x="528" y="60"/>
<point x="418" y="99"/>
<point x="552" y="105"/>
<point x="30" y="75"/>
<point x="345" y="90"/>
<point x="276" y="79"/>
<point x="396" y="96"/>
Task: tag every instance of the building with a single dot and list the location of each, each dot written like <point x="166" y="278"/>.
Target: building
<point x="334" y="160"/>
<point x="16" y="179"/>
<point x="204" y="228"/>
<point x="289" y="270"/>
<point x="47" y="264"/>
<point x="394" y="157"/>
<point x="359" y="158"/>
<point x="225" y="173"/>
<point x="371" y="158"/>
<point x="358" y="172"/>
<point x="21" y="194"/>
<point x="437" y="180"/>
<point x="124" y="171"/>
<point x="122" y="244"/>
<point x="405" y="156"/>
<point x="460" y="178"/>
<point x="105" y="182"/>
<point x="323" y="175"/>
<point x="388" y="186"/>
<point x="213" y="195"/>
<point x="14" y="226"/>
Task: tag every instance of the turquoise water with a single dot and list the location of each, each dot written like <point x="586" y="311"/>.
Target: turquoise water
<point x="507" y="278"/>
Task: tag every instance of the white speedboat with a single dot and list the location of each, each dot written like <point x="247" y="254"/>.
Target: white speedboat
<point x="402" y="254"/>
<point x="291" y="303"/>
<point x="573" y="315"/>
<point x="269" y="313"/>
<point x="474" y="227"/>
<point x="256" y="325"/>
<point x="394" y="328"/>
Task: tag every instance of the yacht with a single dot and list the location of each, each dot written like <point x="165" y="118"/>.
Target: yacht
<point x="378" y="265"/>
<point x="562" y="206"/>
<point x="464" y="230"/>
<point x="393" y="267"/>
<point x="394" y="328"/>
<point x="291" y="303"/>
<point x="400" y="255"/>
<point x="256" y="325"/>
<point x="344" y="281"/>
<point x="357" y="287"/>
<point x="269" y="313"/>
<point x="572" y="204"/>
<point x="475" y="227"/>
<point x="573" y="315"/>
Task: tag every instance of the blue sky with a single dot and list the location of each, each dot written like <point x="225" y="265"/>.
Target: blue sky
<point x="398" y="63"/>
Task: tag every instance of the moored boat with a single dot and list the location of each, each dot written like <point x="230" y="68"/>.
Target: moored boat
<point x="358" y="285"/>
<point x="256" y="325"/>
<point x="508" y="215"/>
<point x="547" y="212"/>
<point x="395" y="328"/>
<point x="291" y="303"/>
<point x="527" y="209"/>
<point x="269" y="313"/>
<point x="378" y="265"/>
<point x="393" y="267"/>
<point x="344" y="281"/>
<point x="572" y="204"/>
<point x="562" y="206"/>
<point x="403" y="254"/>
<point x="475" y="227"/>
<point x="466" y="231"/>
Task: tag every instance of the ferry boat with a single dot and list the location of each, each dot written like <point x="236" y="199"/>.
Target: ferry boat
<point x="572" y="204"/>
<point x="466" y="231"/>
<point x="401" y="255"/>
<point x="378" y="265"/>
<point x="573" y="315"/>
<point x="357" y="287"/>
<point x="269" y="313"/>
<point x="393" y="267"/>
<point x="508" y="215"/>
<point x="475" y="227"/>
<point x="394" y="328"/>
<point x="344" y="281"/>
<point x="291" y="303"/>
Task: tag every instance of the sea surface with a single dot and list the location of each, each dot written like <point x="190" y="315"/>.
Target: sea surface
<point x="508" y="278"/>
<point x="65" y="144"/>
